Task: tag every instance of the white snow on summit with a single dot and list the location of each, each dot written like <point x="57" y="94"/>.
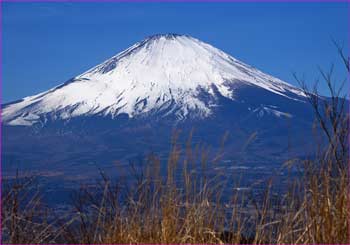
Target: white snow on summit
<point x="162" y="72"/>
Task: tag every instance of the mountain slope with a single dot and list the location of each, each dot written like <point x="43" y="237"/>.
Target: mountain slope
<point x="130" y="105"/>
<point x="168" y="75"/>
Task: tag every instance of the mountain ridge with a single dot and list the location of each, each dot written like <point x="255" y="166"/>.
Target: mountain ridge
<point x="164" y="73"/>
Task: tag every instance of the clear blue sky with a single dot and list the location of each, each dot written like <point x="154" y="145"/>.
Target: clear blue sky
<point x="45" y="44"/>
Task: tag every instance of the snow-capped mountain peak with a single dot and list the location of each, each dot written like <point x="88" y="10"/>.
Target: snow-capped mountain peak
<point x="163" y="73"/>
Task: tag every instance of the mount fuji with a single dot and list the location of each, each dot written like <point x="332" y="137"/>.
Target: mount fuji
<point x="163" y="74"/>
<point x="130" y="104"/>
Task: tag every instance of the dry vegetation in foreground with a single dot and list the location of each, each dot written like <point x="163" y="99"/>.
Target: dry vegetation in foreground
<point x="154" y="209"/>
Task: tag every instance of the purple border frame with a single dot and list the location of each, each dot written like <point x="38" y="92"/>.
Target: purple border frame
<point x="0" y="122"/>
<point x="181" y="1"/>
<point x="144" y="1"/>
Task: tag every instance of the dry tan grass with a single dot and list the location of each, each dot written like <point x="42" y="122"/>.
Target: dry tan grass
<point x="156" y="210"/>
